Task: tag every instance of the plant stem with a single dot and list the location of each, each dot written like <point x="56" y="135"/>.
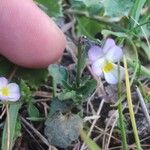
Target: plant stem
<point x="8" y="127"/>
<point x="121" y="117"/>
<point x="137" y="60"/>
<point x="79" y="66"/>
<point x="130" y="106"/>
<point x="122" y="126"/>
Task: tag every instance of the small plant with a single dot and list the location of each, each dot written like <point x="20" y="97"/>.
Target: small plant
<point x="72" y="96"/>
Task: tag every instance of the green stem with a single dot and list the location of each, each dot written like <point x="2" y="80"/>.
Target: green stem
<point x="79" y="66"/>
<point x="121" y="117"/>
<point x="122" y="126"/>
<point x="8" y="127"/>
<point x="130" y="106"/>
<point x="137" y="60"/>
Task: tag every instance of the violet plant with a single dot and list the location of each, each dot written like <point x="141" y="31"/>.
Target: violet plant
<point x="71" y="91"/>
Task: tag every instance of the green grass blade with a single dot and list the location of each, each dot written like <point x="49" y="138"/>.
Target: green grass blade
<point x="13" y="114"/>
<point x="136" y="10"/>
<point x="143" y="70"/>
<point x="89" y="142"/>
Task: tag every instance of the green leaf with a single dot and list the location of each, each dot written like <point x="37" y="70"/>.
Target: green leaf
<point x="144" y="22"/>
<point x="26" y="93"/>
<point x="62" y="130"/>
<point x="34" y="77"/>
<point x="147" y="2"/>
<point x="13" y="114"/>
<point x="17" y="132"/>
<point x="68" y="86"/>
<point x="78" y="95"/>
<point x="145" y="48"/>
<point x="52" y="7"/>
<point x="88" y="27"/>
<point x="107" y="33"/>
<point x="65" y="95"/>
<point x="93" y="3"/>
<point x="143" y="71"/>
<point x="59" y="73"/>
<point x="93" y="7"/>
<point x="81" y="63"/>
<point x="90" y="143"/>
<point x="87" y="3"/>
<point x="136" y="11"/>
<point x="33" y="111"/>
<point x="88" y="88"/>
<point x="59" y="106"/>
<point x="78" y="4"/>
<point x="72" y="95"/>
<point x="117" y="8"/>
<point x="6" y="67"/>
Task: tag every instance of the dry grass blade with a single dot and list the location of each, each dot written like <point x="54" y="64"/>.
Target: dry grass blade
<point x="94" y="122"/>
<point x="30" y="133"/>
<point x="114" y="115"/>
<point x="36" y="132"/>
<point x="111" y="131"/>
<point x="143" y="105"/>
<point x="130" y="105"/>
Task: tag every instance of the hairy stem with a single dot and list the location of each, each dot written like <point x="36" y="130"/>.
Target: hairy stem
<point x="121" y="117"/>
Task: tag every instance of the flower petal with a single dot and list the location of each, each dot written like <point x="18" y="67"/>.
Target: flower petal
<point x="114" y="54"/>
<point x="108" y="45"/>
<point x="3" y="82"/>
<point x="13" y="87"/>
<point x="14" y="92"/>
<point x="95" y="52"/>
<point x="112" y="76"/>
<point x="96" y="67"/>
<point x="14" y="97"/>
<point x="3" y="98"/>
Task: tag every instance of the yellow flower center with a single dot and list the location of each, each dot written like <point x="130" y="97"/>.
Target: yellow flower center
<point x="108" y="67"/>
<point x="5" y="91"/>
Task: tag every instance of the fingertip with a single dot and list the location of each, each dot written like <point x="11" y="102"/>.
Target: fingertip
<point x="29" y="37"/>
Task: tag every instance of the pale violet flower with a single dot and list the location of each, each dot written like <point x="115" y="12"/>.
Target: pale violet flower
<point x="8" y="91"/>
<point x="103" y="61"/>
